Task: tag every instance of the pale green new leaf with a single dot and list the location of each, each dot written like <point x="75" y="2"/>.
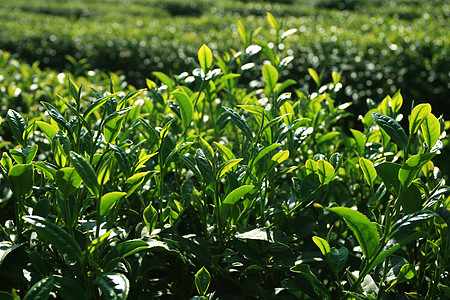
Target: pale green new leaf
<point x="370" y="174"/>
<point x="431" y="130"/>
<point x="270" y="75"/>
<point x="186" y="107"/>
<point x="419" y="113"/>
<point x="365" y="231"/>
<point x="322" y="244"/>
<point x="108" y="201"/>
<point x="205" y="57"/>
<point x="237" y="194"/>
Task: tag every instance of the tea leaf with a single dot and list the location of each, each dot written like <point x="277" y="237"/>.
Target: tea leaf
<point x="325" y="171"/>
<point x="150" y="216"/>
<point x="187" y="108"/>
<point x="392" y="128"/>
<point x="431" y="130"/>
<point x="397" y="102"/>
<point x="365" y="232"/>
<point x="237" y="194"/>
<point x="202" y="281"/>
<point x="205" y="58"/>
<point x="67" y="180"/>
<point x="240" y="122"/>
<point x="370" y="174"/>
<point x="164" y="79"/>
<point x="388" y="172"/>
<point x="272" y="21"/>
<point x="113" y="286"/>
<point x="338" y="258"/>
<point x="121" y="251"/>
<point x="227" y="153"/>
<point x="314" y="76"/>
<point x="56" y="115"/>
<point x="17" y="124"/>
<point x="86" y="172"/>
<point x="40" y="290"/>
<point x="24" y="155"/>
<point x="122" y="159"/>
<point x="270" y="75"/>
<point x="226" y="166"/>
<point x="304" y="270"/>
<point x="265" y="151"/>
<point x="360" y="140"/>
<point x="56" y="236"/>
<point x="21" y="179"/>
<point x="68" y="289"/>
<point x="279" y="157"/>
<point x="48" y="129"/>
<point x="108" y="201"/>
<point x="323" y="245"/>
<point x="412" y="219"/>
<point x="411" y="168"/>
<point x="96" y="105"/>
<point x="419" y="113"/>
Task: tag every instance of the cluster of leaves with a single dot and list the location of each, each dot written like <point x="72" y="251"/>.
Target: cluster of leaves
<point x="380" y="47"/>
<point x="196" y="184"/>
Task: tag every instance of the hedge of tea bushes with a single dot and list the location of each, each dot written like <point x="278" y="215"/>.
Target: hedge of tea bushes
<point x="379" y="47"/>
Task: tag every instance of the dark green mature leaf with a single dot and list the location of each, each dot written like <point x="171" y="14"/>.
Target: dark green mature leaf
<point x="40" y="290"/>
<point x="202" y="281"/>
<point x="365" y="231"/>
<point x="5" y="249"/>
<point x="393" y="245"/>
<point x="114" y="286"/>
<point x="388" y="172"/>
<point x="122" y="159"/>
<point x="411" y="168"/>
<point x="56" y="115"/>
<point x="121" y="251"/>
<point x="18" y="125"/>
<point x="68" y="289"/>
<point x="176" y="150"/>
<point x="410" y="199"/>
<point x="21" y="179"/>
<point x="56" y="236"/>
<point x="86" y="172"/>
<point x="412" y="220"/>
<point x="304" y="270"/>
<point x="204" y="166"/>
<point x="67" y="180"/>
<point x="96" y="104"/>
<point x="392" y="128"/>
<point x="154" y="135"/>
<point x="240" y="122"/>
<point x="338" y="258"/>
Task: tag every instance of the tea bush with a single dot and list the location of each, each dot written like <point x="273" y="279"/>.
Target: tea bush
<point x="200" y="186"/>
<point x="379" y="47"/>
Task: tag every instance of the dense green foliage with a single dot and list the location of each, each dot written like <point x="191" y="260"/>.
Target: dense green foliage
<point x="204" y="186"/>
<point x="378" y="46"/>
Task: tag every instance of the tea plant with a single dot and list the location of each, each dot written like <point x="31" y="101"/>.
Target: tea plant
<point x="202" y="187"/>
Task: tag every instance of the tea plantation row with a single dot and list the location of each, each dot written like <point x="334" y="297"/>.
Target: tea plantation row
<point x="378" y="46"/>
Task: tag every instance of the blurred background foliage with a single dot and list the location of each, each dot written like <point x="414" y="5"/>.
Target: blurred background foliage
<point x="378" y="46"/>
